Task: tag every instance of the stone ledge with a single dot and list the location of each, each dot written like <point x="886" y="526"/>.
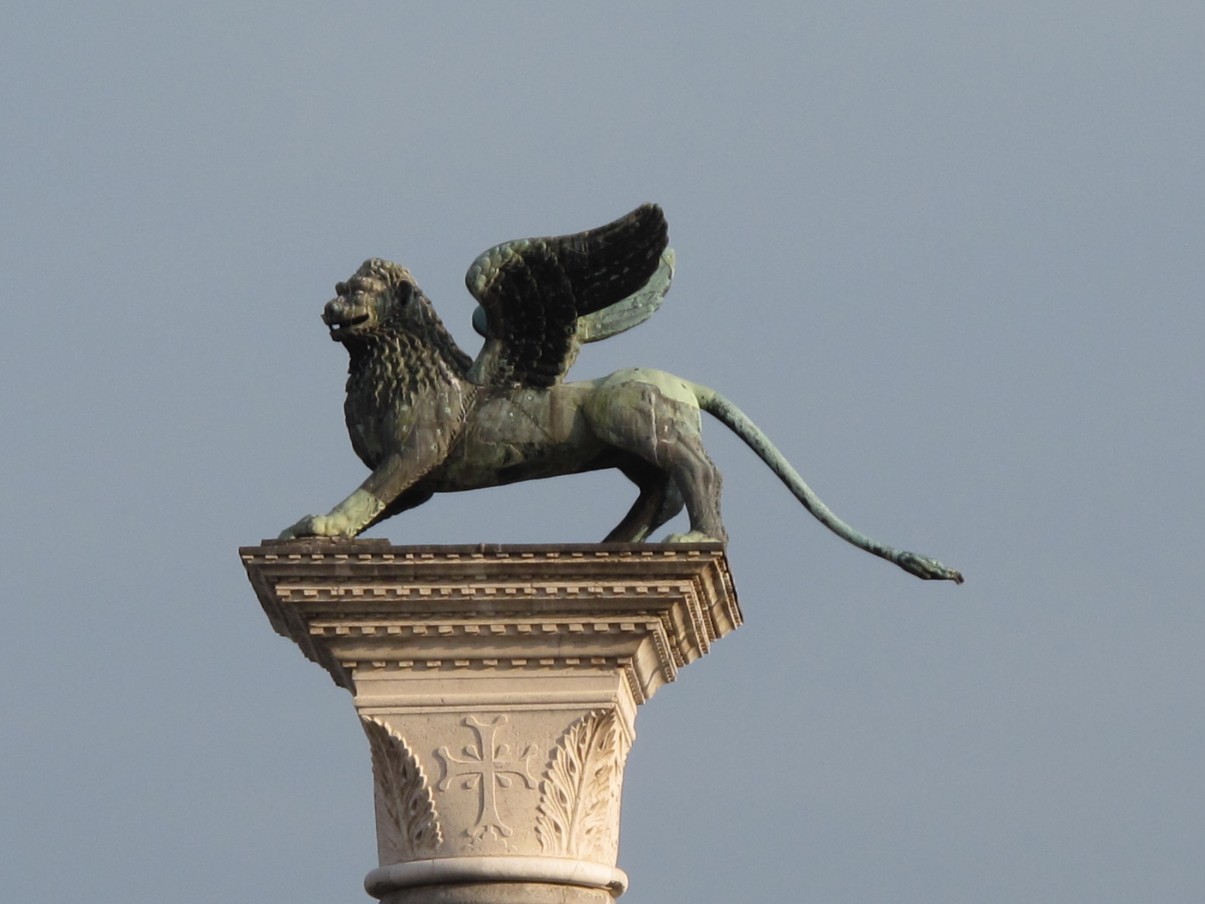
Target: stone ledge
<point x="651" y="607"/>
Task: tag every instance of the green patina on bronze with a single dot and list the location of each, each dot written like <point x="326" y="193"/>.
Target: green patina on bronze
<point x="426" y="419"/>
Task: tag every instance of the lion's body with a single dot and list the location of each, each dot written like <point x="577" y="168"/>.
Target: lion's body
<point x="646" y="423"/>
<point x="521" y="434"/>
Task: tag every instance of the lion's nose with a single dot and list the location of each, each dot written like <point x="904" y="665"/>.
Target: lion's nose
<point x="334" y="311"/>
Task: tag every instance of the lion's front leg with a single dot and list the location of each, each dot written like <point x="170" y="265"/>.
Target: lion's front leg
<point x="384" y="487"/>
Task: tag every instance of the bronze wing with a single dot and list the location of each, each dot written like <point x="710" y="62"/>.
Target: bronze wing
<point x="541" y="298"/>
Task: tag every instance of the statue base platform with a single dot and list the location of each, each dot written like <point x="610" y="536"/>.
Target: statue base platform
<point x="497" y="686"/>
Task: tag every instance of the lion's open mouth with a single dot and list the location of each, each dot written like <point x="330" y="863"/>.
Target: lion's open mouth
<point x="348" y="325"/>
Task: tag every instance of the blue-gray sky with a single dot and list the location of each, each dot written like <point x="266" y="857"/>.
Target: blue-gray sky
<point x="949" y="255"/>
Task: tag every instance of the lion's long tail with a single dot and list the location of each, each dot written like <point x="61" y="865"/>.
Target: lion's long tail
<point x="737" y="421"/>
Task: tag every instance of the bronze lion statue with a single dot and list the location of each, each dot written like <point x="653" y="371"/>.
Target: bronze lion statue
<point x="426" y="418"/>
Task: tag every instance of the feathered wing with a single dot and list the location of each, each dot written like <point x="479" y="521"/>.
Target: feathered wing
<point x="635" y="309"/>
<point x="542" y="297"/>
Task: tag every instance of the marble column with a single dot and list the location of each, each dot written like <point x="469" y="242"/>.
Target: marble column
<point x="497" y="687"/>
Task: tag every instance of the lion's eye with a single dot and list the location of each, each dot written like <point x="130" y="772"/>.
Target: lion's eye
<point x="341" y="289"/>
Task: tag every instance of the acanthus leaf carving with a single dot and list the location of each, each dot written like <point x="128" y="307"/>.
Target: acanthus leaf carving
<point x="407" y="824"/>
<point x="578" y="813"/>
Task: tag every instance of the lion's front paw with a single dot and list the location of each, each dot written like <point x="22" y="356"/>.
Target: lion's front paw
<point x="312" y="526"/>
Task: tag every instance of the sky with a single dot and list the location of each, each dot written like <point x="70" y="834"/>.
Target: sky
<point x="949" y="256"/>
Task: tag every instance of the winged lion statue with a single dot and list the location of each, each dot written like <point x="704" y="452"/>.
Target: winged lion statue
<point x="426" y="418"/>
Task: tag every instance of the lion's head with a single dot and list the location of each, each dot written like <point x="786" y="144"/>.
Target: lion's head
<point x="380" y="310"/>
<point x="377" y="295"/>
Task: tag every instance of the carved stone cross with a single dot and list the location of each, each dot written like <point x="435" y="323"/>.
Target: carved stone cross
<point x="486" y="768"/>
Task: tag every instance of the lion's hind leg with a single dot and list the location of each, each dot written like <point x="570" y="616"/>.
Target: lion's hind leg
<point x="696" y="475"/>
<point x="658" y="502"/>
<point x="653" y="416"/>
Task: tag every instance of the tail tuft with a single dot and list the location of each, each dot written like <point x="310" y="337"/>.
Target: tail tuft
<point x="925" y="568"/>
